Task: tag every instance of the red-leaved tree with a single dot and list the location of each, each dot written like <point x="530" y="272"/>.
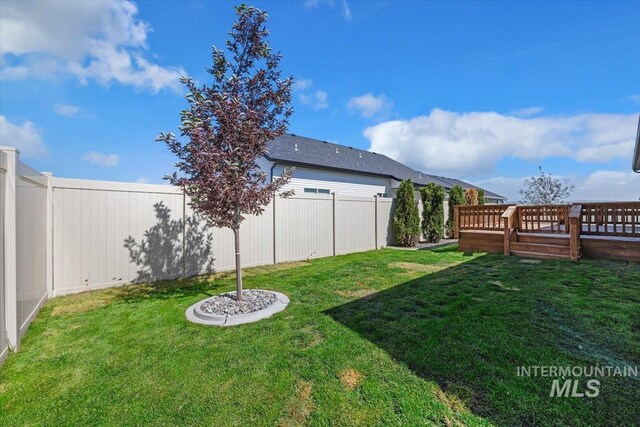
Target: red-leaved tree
<point x="227" y="127"/>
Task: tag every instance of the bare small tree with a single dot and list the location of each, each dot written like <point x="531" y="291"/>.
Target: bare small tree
<point x="545" y="190"/>
<point x="227" y="127"/>
<point x="471" y="197"/>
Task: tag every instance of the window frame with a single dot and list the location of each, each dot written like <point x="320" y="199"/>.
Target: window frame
<point x="312" y="190"/>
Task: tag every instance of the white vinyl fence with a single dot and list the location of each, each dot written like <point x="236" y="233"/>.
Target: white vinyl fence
<point x="31" y="244"/>
<point x="60" y="236"/>
<point x="24" y="195"/>
<point x="107" y="233"/>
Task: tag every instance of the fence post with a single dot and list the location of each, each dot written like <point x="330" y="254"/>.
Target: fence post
<point x="49" y="231"/>
<point x="10" y="249"/>
<point x="375" y="220"/>
<point x="334" y="224"/>
<point x="275" y="196"/>
<point x="184" y="234"/>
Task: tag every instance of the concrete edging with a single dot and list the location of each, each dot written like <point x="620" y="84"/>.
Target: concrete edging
<point x="196" y="315"/>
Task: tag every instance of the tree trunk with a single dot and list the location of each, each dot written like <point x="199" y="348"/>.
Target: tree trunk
<point x="236" y="234"/>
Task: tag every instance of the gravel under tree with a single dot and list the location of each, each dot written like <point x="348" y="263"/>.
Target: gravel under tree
<point x="227" y="303"/>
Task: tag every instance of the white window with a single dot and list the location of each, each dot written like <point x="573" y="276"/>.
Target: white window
<point x="317" y="190"/>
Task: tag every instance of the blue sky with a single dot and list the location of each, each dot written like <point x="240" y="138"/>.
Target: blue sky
<point x="484" y="91"/>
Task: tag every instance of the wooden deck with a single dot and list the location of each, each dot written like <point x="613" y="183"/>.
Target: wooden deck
<point x="597" y="230"/>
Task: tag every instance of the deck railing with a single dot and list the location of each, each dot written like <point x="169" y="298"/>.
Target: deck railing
<point x="614" y="220"/>
<point x="479" y="217"/>
<point x="551" y="219"/>
<point x="611" y="219"/>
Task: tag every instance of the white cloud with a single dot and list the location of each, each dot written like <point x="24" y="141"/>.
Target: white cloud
<point x="318" y="99"/>
<point x="315" y="3"/>
<point x="344" y="4"/>
<point x="469" y="144"/>
<point x="142" y="180"/>
<point x="26" y="137"/>
<point x="369" y="105"/>
<point x="302" y="84"/>
<point x="604" y="152"/>
<point x="67" y="110"/>
<point x="599" y="185"/>
<point x="527" y="112"/>
<point x="102" y="41"/>
<point x="635" y="98"/>
<point x="608" y="185"/>
<point x="322" y="100"/>
<point x="346" y="10"/>
<point x="101" y="159"/>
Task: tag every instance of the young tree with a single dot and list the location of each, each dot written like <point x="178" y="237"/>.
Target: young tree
<point x="471" y="196"/>
<point x="456" y="198"/>
<point x="432" y="212"/>
<point x="481" y="198"/>
<point x="227" y="126"/>
<point x="406" y="217"/>
<point x="545" y="190"/>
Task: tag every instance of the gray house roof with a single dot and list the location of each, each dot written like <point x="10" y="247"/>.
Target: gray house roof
<point x="636" y="155"/>
<point x="297" y="150"/>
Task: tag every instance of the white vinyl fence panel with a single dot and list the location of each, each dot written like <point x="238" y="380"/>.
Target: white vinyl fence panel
<point x="31" y="232"/>
<point x="385" y="221"/>
<point x="303" y="227"/>
<point x="355" y="224"/>
<point x="107" y="234"/>
<point x="210" y="249"/>
<point x="4" y="343"/>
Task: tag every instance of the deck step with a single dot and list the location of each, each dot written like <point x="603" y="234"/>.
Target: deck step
<point x="538" y="255"/>
<point x="539" y="248"/>
<point x="558" y="239"/>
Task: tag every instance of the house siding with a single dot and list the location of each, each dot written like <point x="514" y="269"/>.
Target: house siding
<point x="341" y="183"/>
<point x="347" y="184"/>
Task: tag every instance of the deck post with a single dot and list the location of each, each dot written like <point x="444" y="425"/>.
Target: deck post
<point x="507" y="225"/>
<point x="574" y="231"/>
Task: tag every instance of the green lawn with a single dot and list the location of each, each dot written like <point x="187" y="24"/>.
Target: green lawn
<point x="379" y="338"/>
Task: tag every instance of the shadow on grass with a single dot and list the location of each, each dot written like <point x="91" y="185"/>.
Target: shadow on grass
<point x="468" y="327"/>
<point x="203" y="285"/>
<point x="168" y="289"/>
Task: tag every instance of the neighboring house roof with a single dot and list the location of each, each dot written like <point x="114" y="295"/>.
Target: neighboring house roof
<point x="466" y="186"/>
<point x="636" y="155"/>
<point x="298" y="150"/>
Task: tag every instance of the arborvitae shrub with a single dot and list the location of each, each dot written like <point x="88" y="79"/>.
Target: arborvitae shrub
<point x="432" y="212"/>
<point x="406" y="217"/>
<point x="481" y="198"/>
<point x="456" y="197"/>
